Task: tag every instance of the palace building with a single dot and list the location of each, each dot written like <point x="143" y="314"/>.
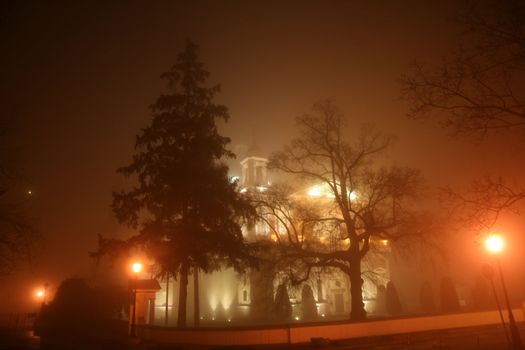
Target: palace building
<point x="226" y="296"/>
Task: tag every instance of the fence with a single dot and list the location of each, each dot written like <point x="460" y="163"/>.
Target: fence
<point x="293" y="334"/>
<point x="17" y="321"/>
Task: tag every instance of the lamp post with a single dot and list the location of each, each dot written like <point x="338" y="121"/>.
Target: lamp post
<point x="495" y="244"/>
<point x="136" y="268"/>
<point x="488" y="273"/>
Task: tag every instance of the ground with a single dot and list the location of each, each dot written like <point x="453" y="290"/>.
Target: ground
<point x="479" y="338"/>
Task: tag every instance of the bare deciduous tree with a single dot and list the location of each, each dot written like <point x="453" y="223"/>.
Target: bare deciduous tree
<point x="477" y="90"/>
<point x="355" y="200"/>
<point x="480" y="87"/>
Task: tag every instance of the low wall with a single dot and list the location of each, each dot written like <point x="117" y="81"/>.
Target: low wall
<point x="303" y="333"/>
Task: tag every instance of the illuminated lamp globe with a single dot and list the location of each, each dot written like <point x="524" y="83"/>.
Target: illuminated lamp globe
<point x="136" y="267"/>
<point x="495" y="243"/>
<point x="40" y="293"/>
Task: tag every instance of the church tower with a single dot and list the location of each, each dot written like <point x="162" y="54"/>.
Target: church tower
<point x="254" y="168"/>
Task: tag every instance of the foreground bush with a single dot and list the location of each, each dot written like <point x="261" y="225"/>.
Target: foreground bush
<point x="81" y="311"/>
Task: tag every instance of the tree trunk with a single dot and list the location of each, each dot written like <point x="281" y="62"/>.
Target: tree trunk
<point x="357" y="311"/>
<point x="183" y="295"/>
<point x="196" y="313"/>
<point x="167" y="298"/>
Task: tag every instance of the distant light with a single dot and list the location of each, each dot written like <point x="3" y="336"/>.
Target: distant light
<point x="29" y="192"/>
<point x="41" y="293"/>
<point x="352" y="196"/>
<point x="243" y="190"/>
<point x="213" y="318"/>
<point x="384" y="242"/>
<point x="314" y="191"/>
<point x="297" y="318"/>
<point x="322" y="315"/>
<point x="136" y="267"/>
<point x="229" y="320"/>
<point x="495" y="243"/>
<point x="261" y="188"/>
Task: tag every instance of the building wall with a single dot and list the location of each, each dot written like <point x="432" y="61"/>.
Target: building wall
<point x="224" y="295"/>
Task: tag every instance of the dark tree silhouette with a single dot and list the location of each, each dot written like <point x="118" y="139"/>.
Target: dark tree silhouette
<point x="477" y="90"/>
<point x="79" y="310"/>
<point x="448" y="295"/>
<point x="380" y="305"/>
<point x="426" y="298"/>
<point x="481" y="295"/>
<point x="282" y="306"/>
<point x="393" y="304"/>
<point x="308" y="306"/>
<point x="363" y="202"/>
<point x="187" y="212"/>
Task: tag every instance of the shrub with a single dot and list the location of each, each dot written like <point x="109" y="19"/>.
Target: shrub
<point x="78" y="310"/>
<point x="393" y="304"/>
<point x="308" y="306"/>
<point x="481" y="298"/>
<point x="380" y="306"/>
<point x="283" y="308"/>
<point x="426" y="298"/>
<point x="449" y="296"/>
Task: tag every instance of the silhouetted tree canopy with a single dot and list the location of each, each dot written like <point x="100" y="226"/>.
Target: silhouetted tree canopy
<point x="478" y="89"/>
<point x="187" y="213"/>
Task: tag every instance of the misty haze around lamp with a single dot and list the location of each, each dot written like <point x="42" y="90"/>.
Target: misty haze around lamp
<point x="136" y="268"/>
<point x="495" y="244"/>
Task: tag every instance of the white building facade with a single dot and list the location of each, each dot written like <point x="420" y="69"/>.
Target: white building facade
<point x="227" y="297"/>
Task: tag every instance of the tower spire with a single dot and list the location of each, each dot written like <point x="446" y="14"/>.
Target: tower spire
<point x="253" y="149"/>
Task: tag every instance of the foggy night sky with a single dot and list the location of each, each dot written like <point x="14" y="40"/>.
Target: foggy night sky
<point x="78" y="77"/>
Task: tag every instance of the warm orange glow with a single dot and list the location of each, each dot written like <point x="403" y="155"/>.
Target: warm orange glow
<point x="136" y="267"/>
<point x="384" y="242"/>
<point x="40" y="294"/>
<point x="314" y="191"/>
<point x="495" y="243"/>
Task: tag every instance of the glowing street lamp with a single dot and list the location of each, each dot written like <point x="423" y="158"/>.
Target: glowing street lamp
<point x="41" y="294"/>
<point x="136" y="268"/>
<point x="495" y="244"/>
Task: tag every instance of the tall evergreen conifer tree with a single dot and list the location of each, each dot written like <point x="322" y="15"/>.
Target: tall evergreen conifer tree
<point x="187" y="212"/>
